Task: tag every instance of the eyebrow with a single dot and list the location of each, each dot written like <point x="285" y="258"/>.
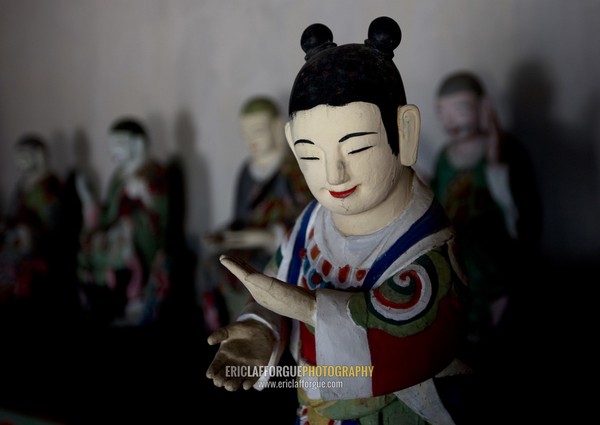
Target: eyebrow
<point x="303" y="141"/>
<point x="343" y="139"/>
<point x="361" y="133"/>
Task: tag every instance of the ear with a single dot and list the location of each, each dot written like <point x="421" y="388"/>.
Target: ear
<point x="409" y="128"/>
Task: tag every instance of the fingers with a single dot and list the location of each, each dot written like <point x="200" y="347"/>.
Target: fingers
<point x="235" y="238"/>
<point x="236" y="263"/>
<point x="232" y="331"/>
<point x="217" y="371"/>
<point x="266" y="283"/>
<point x="238" y="267"/>
<point x="221" y="380"/>
<point x="233" y="384"/>
<point x="218" y="336"/>
<point x="246" y="273"/>
<point x="248" y="383"/>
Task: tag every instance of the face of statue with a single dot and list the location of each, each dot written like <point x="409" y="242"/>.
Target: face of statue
<point x="29" y="159"/>
<point x="258" y="132"/>
<point x="125" y="148"/>
<point x="459" y="114"/>
<point x="344" y="155"/>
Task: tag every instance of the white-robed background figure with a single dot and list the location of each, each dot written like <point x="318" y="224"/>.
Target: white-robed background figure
<point x="369" y="275"/>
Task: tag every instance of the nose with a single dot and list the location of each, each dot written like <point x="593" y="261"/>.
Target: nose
<point x="336" y="171"/>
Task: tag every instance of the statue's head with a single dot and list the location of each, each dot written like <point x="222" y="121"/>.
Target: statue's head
<point x="261" y="125"/>
<point x="338" y="75"/>
<point x="349" y="124"/>
<point x="460" y="101"/>
<point x="128" y="141"/>
<point x="31" y="153"/>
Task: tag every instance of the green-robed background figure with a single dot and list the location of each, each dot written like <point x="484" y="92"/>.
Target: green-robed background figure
<point x="122" y="264"/>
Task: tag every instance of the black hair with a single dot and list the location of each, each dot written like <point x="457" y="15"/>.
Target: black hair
<point x="130" y="125"/>
<point x="260" y="104"/>
<point x="461" y="81"/>
<point x="32" y="141"/>
<point x="338" y="75"/>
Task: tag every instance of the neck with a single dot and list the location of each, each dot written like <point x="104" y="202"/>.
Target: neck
<point x="383" y="214"/>
<point x="267" y="159"/>
<point x="465" y="153"/>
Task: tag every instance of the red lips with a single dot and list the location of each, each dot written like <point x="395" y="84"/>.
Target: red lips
<point x="343" y="194"/>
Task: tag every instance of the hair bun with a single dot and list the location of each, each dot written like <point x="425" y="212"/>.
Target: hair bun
<point x="316" y="37"/>
<point x="384" y="35"/>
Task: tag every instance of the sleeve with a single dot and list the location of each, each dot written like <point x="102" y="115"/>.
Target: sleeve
<point x="405" y="330"/>
<point x="278" y="326"/>
<point x="525" y="192"/>
<point x="497" y="176"/>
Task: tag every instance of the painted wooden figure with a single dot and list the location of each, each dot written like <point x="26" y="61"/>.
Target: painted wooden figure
<point x="123" y="266"/>
<point x="270" y="193"/>
<point x="29" y="231"/>
<point x="370" y="275"/>
<point x="484" y="179"/>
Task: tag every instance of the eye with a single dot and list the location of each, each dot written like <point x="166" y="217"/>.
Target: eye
<point x="308" y="152"/>
<point x="359" y="150"/>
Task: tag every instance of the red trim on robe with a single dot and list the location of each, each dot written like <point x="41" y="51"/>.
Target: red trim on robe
<point x="307" y="344"/>
<point x="343" y="273"/>
<point x="326" y="267"/>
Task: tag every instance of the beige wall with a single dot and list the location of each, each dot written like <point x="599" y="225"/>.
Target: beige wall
<point x="69" y="67"/>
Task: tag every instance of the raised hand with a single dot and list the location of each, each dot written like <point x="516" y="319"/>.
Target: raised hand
<point x="493" y="130"/>
<point x="247" y="239"/>
<point x="273" y="294"/>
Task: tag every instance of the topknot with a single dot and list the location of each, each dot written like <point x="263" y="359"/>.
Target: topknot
<point x="384" y="36"/>
<point x="315" y="38"/>
<point x="355" y="72"/>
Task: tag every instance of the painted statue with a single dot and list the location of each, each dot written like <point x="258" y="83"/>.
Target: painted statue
<point x="122" y="264"/>
<point x="369" y="277"/>
<point x="29" y="230"/>
<point x="270" y="193"/>
<point x="485" y="182"/>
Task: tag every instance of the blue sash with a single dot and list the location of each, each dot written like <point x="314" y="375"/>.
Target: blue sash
<point x="299" y="243"/>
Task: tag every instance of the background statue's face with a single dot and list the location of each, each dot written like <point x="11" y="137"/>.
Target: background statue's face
<point x="459" y="114"/>
<point x="126" y="148"/>
<point x="344" y="155"/>
<point x="258" y="132"/>
<point x="120" y="147"/>
<point x="29" y="159"/>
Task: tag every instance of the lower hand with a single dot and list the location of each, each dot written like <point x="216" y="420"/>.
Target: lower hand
<point x="247" y="343"/>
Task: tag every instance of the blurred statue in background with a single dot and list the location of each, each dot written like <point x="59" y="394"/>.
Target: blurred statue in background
<point x="270" y="193"/>
<point x="122" y="264"/>
<point x="28" y="232"/>
<point x="485" y="181"/>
